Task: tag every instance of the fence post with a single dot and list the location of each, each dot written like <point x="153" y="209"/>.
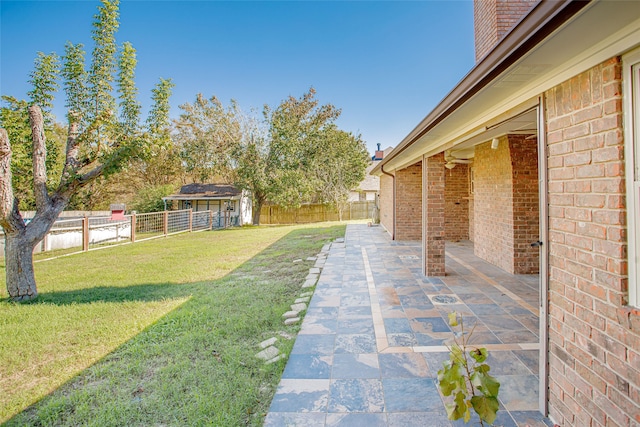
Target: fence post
<point x="190" y="219"/>
<point x="133" y="228"/>
<point x="85" y="234"/>
<point x="210" y="220"/>
<point x="165" y="222"/>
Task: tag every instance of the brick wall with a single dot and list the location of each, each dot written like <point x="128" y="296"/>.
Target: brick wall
<point x="409" y="203"/>
<point x="493" y="19"/>
<point x="471" y="223"/>
<point x="594" y="348"/>
<point x="471" y="202"/>
<point x="386" y="202"/>
<point x="434" y="215"/>
<point x="456" y="213"/>
<point x="506" y="212"/>
<point x="493" y="210"/>
<point x="526" y="203"/>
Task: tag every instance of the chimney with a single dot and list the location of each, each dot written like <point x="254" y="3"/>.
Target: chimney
<point x="379" y="154"/>
<point x="493" y="19"/>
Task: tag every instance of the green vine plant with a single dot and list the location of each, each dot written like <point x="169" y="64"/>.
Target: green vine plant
<point x="465" y="377"/>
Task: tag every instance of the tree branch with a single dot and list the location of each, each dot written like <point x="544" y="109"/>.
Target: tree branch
<point x="71" y="165"/>
<point x="10" y="218"/>
<point x="39" y="158"/>
<point x="91" y="175"/>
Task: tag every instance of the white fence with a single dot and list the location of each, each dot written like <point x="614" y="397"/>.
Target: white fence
<point x="92" y="232"/>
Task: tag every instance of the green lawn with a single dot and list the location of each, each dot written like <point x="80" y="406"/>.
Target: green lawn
<point x="163" y="332"/>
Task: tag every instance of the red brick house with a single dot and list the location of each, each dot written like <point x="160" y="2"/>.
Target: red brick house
<point x="539" y="143"/>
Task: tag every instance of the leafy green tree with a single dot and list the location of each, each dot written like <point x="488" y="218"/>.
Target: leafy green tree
<point x="129" y="105"/>
<point x="156" y="169"/>
<point x="296" y="136"/>
<point x="297" y="155"/>
<point x="162" y="164"/>
<point x="158" y="121"/>
<point x="340" y="167"/>
<point x="292" y="155"/>
<point x="149" y="199"/>
<point x="252" y="169"/>
<point x="44" y="84"/>
<point x="205" y="134"/>
<point x="99" y="143"/>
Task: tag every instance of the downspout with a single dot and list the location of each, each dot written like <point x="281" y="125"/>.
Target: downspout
<point x="393" y="178"/>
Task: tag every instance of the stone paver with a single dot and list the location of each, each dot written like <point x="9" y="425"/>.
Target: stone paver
<point x="268" y="353"/>
<point x="268" y="343"/>
<point x="290" y="314"/>
<point x="291" y="321"/>
<point x="300" y="306"/>
<point x="375" y="334"/>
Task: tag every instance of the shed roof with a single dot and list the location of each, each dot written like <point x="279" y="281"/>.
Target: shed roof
<point x="206" y="192"/>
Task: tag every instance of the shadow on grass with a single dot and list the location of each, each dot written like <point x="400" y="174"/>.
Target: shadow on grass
<point x="159" y="291"/>
<point x="203" y="348"/>
<point x="143" y="293"/>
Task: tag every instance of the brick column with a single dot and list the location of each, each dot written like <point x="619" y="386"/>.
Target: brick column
<point x="433" y="223"/>
<point x="385" y="201"/>
<point x="408" y="209"/>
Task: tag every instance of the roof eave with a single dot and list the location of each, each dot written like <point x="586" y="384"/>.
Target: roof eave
<point x="540" y="22"/>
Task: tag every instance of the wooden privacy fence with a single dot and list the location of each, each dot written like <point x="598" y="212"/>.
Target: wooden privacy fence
<point x="317" y="213"/>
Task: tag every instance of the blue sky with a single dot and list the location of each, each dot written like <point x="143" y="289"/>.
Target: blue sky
<point x="386" y="64"/>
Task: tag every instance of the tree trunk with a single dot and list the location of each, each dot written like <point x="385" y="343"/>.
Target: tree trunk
<point x="255" y="214"/>
<point x="21" y="281"/>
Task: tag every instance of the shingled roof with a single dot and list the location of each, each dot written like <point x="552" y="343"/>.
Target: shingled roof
<point x="370" y="182"/>
<point x="206" y="191"/>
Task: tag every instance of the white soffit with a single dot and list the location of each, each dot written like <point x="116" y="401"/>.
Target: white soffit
<point x="603" y="30"/>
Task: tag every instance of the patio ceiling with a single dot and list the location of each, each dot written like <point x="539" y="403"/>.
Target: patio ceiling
<point x="491" y="101"/>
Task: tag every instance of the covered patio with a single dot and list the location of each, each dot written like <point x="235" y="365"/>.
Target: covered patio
<point x="376" y="333"/>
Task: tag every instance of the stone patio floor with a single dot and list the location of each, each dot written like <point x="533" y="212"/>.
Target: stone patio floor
<point x="375" y="333"/>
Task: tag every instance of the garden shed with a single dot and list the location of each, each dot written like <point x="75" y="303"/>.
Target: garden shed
<point x="225" y="200"/>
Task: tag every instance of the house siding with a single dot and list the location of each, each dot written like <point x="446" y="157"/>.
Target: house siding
<point x="408" y="183"/>
<point x="594" y="340"/>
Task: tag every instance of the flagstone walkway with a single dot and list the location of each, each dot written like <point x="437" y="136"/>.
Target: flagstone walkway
<point x="375" y="333"/>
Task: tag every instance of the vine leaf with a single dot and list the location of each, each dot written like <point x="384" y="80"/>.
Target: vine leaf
<point x="485" y="407"/>
<point x="458" y="408"/>
<point x="487" y="384"/>
<point x="450" y="378"/>
<point x="479" y="354"/>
